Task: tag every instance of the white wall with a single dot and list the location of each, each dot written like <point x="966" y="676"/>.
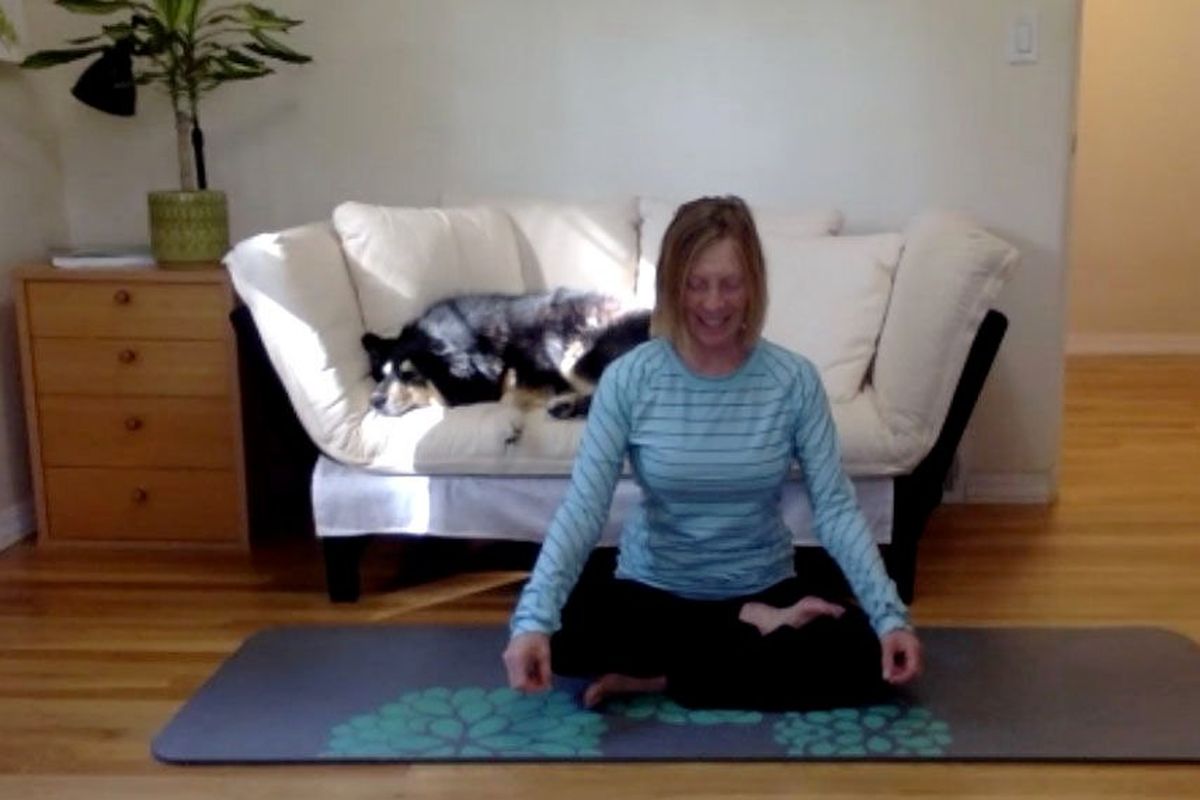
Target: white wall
<point x="31" y="219"/>
<point x="881" y="107"/>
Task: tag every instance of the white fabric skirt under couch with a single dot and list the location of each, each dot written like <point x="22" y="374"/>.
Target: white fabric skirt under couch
<point x="351" y="501"/>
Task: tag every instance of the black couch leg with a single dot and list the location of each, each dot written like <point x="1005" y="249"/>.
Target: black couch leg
<point x="342" y="557"/>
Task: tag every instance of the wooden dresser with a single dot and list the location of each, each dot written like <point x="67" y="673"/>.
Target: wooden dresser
<point x="132" y="403"/>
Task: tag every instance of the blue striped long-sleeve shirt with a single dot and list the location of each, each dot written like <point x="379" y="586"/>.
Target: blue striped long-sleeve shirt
<point x="711" y="455"/>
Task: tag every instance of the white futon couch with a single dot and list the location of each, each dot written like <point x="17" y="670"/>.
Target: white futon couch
<point x="899" y="324"/>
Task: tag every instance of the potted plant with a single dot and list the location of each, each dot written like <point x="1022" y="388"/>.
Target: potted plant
<point x="189" y="49"/>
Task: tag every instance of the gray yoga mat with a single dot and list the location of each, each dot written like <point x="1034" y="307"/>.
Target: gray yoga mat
<point x="437" y="693"/>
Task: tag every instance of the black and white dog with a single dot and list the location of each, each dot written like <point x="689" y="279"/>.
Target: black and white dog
<point x="540" y="348"/>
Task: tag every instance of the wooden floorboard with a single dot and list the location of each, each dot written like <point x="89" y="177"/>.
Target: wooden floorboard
<point x="98" y="648"/>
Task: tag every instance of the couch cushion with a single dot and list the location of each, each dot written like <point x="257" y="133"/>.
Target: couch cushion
<point x="949" y="275"/>
<point x="401" y="260"/>
<point x="467" y="440"/>
<point x="828" y="296"/>
<point x="591" y="246"/>
<point x="657" y="214"/>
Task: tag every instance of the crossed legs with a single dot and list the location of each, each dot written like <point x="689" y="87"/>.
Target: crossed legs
<point x="772" y="651"/>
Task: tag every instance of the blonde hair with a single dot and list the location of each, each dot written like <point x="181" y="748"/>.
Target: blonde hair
<point x="699" y="224"/>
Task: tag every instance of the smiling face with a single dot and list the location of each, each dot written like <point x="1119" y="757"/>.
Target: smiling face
<point x="715" y="300"/>
<point x="710" y="284"/>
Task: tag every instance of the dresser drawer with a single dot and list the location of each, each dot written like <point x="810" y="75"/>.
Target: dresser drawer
<point x="82" y="431"/>
<point x="131" y="367"/>
<point x="142" y="310"/>
<point x="142" y="505"/>
<point x="132" y="405"/>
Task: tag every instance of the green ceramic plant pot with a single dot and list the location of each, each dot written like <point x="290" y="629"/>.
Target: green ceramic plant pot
<point x="188" y="229"/>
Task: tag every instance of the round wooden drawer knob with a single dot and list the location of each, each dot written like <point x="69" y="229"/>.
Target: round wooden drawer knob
<point x="133" y="423"/>
<point x="127" y="356"/>
<point x="139" y="495"/>
<point x="122" y="297"/>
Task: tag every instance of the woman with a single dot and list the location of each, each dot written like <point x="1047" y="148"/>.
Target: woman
<point x="705" y="605"/>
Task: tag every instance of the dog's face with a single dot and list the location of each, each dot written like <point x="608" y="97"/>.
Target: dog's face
<point x="400" y="386"/>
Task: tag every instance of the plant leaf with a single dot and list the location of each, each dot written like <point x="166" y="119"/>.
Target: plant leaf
<point x="250" y="15"/>
<point x="94" y="6"/>
<point x="238" y="57"/>
<point x="213" y="20"/>
<point x="273" y="48"/>
<point x="266" y="18"/>
<point x="8" y="34"/>
<point x="189" y="10"/>
<point x="52" y="58"/>
<point x="222" y="76"/>
<point x="227" y="70"/>
<point x="121" y="30"/>
<point x="168" y="12"/>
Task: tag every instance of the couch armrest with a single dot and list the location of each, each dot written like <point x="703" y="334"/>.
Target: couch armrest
<point x="949" y="275"/>
<point x="308" y="314"/>
<point x="297" y="288"/>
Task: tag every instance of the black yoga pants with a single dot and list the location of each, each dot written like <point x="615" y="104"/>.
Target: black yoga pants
<point x="710" y="658"/>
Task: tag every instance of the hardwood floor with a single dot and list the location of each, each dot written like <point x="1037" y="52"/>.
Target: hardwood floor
<point x="98" y="648"/>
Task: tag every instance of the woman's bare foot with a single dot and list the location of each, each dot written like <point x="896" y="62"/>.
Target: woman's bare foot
<point x="768" y="618"/>
<point x="613" y="684"/>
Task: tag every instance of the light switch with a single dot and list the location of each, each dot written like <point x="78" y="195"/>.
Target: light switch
<point x="1024" y="34"/>
<point x="1023" y="39"/>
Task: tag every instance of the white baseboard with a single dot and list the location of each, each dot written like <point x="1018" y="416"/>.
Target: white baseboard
<point x="1035" y="488"/>
<point x="16" y="522"/>
<point x="1131" y="344"/>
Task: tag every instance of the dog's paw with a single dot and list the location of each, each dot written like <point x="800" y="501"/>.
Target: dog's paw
<point x="513" y="436"/>
<point x="510" y="424"/>
<point x="568" y="406"/>
<point x="561" y="407"/>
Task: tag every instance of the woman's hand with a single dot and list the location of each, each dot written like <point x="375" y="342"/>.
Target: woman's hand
<point x="901" y="656"/>
<point x="527" y="659"/>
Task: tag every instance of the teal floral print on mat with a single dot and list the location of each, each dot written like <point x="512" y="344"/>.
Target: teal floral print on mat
<point x="876" y="731"/>
<point x="662" y="709"/>
<point x="471" y="723"/>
